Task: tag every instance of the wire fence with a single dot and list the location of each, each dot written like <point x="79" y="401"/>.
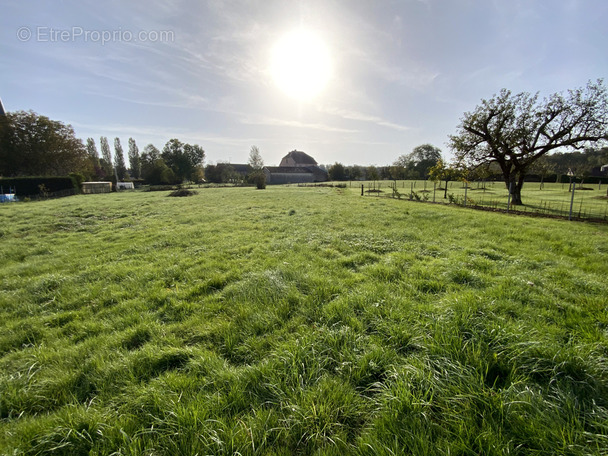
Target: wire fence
<point x="575" y="201"/>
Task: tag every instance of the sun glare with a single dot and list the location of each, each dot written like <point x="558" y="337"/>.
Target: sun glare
<point x="301" y="65"/>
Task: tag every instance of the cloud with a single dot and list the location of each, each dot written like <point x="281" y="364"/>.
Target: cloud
<point x="125" y="130"/>
<point x="161" y="134"/>
<point x="176" y="99"/>
<point x="270" y="121"/>
<point x="354" y="115"/>
<point x="410" y="75"/>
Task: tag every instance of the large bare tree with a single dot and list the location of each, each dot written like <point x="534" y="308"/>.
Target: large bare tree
<point x="516" y="130"/>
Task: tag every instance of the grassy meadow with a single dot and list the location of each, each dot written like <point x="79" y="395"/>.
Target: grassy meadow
<point x="298" y="321"/>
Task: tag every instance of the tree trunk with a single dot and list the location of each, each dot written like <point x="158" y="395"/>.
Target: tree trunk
<point x="516" y="191"/>
<point x="516" y="196"/>
<point x="445" y="192"/>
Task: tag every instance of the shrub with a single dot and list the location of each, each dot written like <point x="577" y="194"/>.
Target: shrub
<point x="77" y="180"/>
<point x="182" y="192"/>
<point x="259" y="179"/>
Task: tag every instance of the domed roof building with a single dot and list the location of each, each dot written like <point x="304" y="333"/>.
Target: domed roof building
<point x="298" y="158"/>
<point x="295" y="168"/>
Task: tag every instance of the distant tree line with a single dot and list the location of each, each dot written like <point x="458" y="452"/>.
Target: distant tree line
<point x="223" y="173"/>
<point x="227" y="173"/>
<point x="34" y="145"/>
<point x="583" y="164"/>
<point x="178" y="162"/>
<point x="415" y="165"/>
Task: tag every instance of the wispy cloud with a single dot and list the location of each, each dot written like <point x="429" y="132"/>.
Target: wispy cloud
<point x="413" y="76"/>
<point x="163" y="134"/>
<point x="270" y="121"/>
<point x="177" y="99"/>
<point x="361" y="117"/>
<point x="126" y="130"/>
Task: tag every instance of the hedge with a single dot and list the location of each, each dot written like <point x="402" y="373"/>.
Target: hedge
<point x="33" y="186"/>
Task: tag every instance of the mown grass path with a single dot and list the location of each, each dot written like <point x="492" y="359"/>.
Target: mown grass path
<point x="298" y="321"/>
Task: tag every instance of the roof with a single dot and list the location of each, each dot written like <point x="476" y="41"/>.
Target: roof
<point x="300" y="158"/>
<point x="241" y="168"/>
<point x="288" y="170"/>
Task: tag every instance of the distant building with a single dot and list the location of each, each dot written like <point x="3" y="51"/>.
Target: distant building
<point x="295" y="168"/>
<point x="124" y="186"/>
<point x="298" y="158"/>
<point x="288" y="175"/>
<point x="96" y="187"/>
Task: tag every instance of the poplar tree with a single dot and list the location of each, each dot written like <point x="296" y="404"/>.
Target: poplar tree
<point x="134" y="159"/>
<point x="94" y="157"/>
<point x="106" y="158"/>
<point x="119" y="158"/>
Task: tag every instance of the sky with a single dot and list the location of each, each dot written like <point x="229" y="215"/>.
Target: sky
<point x="401" y="73"/>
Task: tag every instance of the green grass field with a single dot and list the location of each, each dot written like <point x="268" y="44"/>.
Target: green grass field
<point x="298" y="321"/>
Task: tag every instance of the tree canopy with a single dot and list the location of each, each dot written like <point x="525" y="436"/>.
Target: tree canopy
<point x="416" y="164"/>
<point x="154" y="170"/>
<point x="134" y="159"/>
<point x="516" y="130"/>
<point x="337" y="172"/>
<point x="185" y="160"/>
<point x="106" y="158"/>
<point x="94" y="158"/>
<point x="255" y="158"/>
<point x="446" y="173"/>
<point x="256" y="177"/>
<point x="119" y="160"/>
<point x="34" y="145"/>
<point x="221" y="173"/>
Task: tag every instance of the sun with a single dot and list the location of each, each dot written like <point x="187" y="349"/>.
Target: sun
<point x="301" y="64"/>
